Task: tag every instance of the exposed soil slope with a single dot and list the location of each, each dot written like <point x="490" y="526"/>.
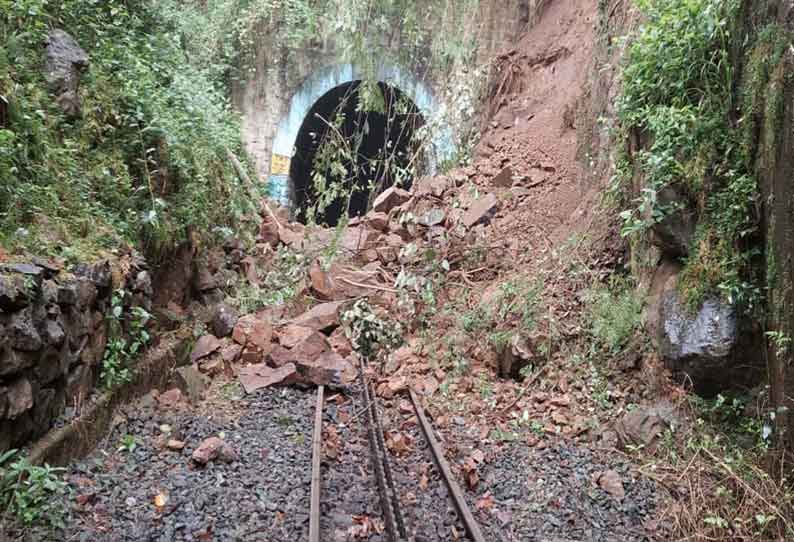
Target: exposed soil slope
<point x="536" y="92"/>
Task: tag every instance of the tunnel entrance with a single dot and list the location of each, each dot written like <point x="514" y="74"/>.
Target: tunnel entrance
<point x="356" y="141"/>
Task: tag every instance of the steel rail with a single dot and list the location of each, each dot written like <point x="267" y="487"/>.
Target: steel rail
<point x="314" y="515"/>
<point x="458" y="500"/>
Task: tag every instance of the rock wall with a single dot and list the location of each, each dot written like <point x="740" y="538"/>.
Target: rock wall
<point x="775" y="164"/>
<point x="712" y="348"/>
<point x="53" y="333"/>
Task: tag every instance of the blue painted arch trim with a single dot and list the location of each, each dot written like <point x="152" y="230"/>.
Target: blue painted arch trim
<point x="329" y="77"/>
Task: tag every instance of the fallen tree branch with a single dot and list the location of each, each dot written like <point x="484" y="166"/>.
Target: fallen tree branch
<point x="370" y="286"/>
<point x="527" y="384"/>
<point x="249" y="185"/>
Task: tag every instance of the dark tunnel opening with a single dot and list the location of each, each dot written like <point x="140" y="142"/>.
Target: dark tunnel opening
<point x="372" y="139"/>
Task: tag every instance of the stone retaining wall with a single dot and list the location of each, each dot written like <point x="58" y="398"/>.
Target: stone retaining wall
<point x="53" y="333"/>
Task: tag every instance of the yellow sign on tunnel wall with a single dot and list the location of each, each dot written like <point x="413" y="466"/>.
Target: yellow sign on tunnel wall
<point x="279" y="165"/>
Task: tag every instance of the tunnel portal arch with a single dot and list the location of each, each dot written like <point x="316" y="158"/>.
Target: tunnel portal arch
<point x="327" y="82"/>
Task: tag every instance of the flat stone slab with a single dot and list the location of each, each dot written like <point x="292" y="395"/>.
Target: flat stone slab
<point x="256" y="377"/>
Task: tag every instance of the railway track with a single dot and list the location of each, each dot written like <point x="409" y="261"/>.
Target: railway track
<point x="391" y="496"/>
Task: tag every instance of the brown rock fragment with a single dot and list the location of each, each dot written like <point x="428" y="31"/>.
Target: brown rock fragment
<point x="310" y="347"/>
<point x="255" y="377"/>
<point x="214" y="448"/>
<point x="378" y="221"/>
<point x="327" y="369"/>
<point x="254" y="330"/>
<point x="321" y="316"/>
<point x="389" y="199"/>
<point x="322" y="283"/>
<point x="611" y="482"/>
<point x="340" y="343"/>
<point x="206" y="345"/>
<point x="170" y="398"/>
<point x="644" y="426"/>
<point x="504" y="178"/>
<point x="292" y="334"/>
<point x="231" y="353"/>
<point x="280" y="356"/>
<point x="269" y="231"/>
<point x="174" y="444"/>
<point x="481" y="210"/>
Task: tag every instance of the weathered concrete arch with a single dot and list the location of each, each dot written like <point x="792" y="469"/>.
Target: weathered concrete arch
<point x="327" y="78"/>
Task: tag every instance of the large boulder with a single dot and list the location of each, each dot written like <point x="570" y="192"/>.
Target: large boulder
<point x="258" y="376"/>
<point x="698" y="344"/>
<point x="64" y="63"/>
<point x="326" y="369"/>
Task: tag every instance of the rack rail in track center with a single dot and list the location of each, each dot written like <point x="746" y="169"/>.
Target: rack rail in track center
<point x="394" y="524"/>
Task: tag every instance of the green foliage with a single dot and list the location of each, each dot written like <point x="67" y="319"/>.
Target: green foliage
<point x="128" y="444"/>
<point x="728" y="415"/>
<point x="501" y="435"/>
<point x="613" y="314"/>
<point x="678" y="94"/>
<point x="279" y="285"/>
<point x="123" y="350"/>
<point x="224" y="34"/>
<point x="146" y="161"/>
<point x="781" y="342"/>
<point x="721" y="453"/>
<point x="29" y="493"/>
<point x="513" y="310"/>
<point x="368" y="333"/>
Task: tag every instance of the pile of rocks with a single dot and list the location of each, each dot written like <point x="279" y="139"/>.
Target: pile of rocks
<point x="437" y="207"/>
<point x="308" y="350"/>
<point x="311" y="348"/>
